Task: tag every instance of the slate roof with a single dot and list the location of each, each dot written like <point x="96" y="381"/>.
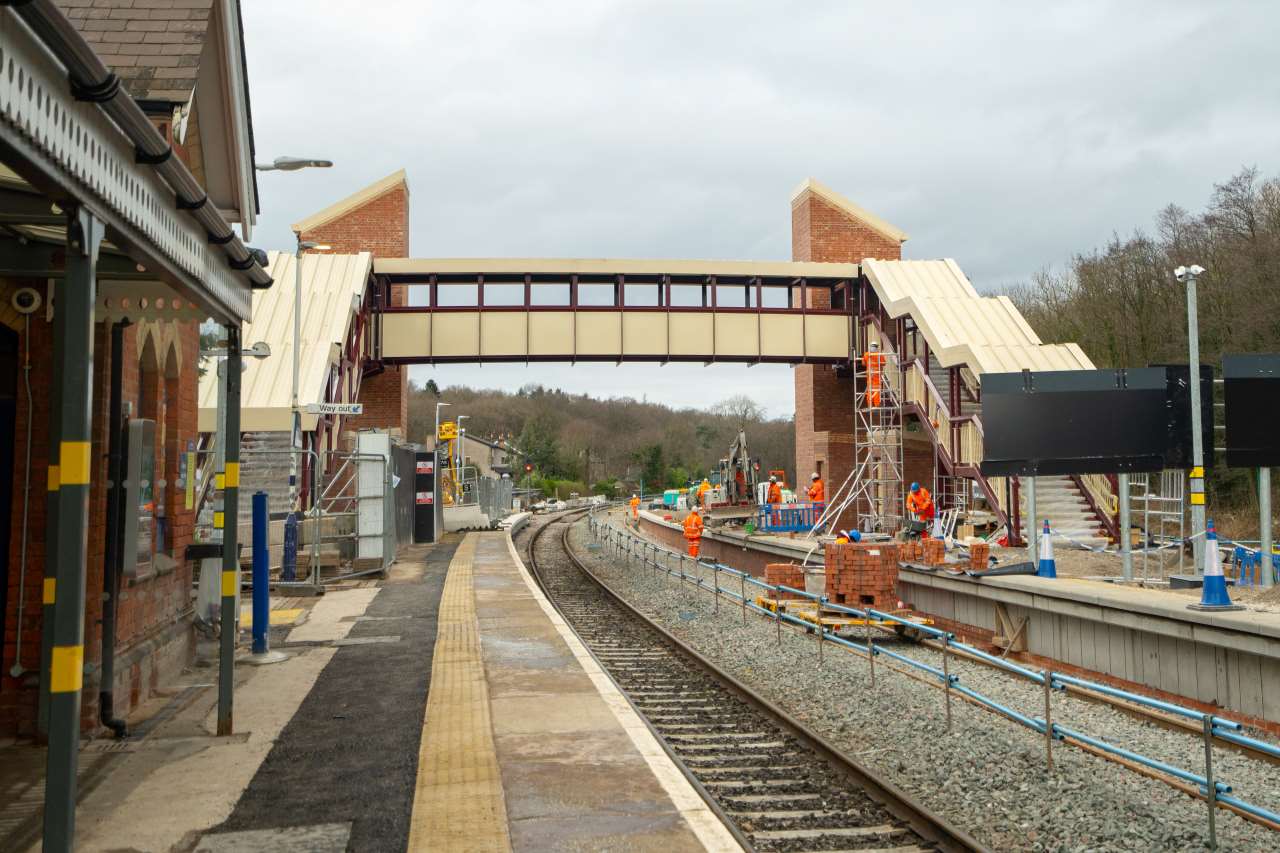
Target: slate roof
<point x="153" y="45"/>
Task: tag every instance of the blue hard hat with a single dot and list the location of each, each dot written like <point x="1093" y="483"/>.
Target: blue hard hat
<point x="915" y="487"/>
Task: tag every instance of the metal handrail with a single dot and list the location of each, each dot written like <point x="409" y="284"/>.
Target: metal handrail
<point x="1214" y="726"/>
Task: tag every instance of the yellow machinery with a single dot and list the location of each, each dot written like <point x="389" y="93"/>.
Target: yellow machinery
<point x="447" y="461"/>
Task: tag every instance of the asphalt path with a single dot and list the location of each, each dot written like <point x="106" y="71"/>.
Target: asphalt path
<point x="350" y="754"/>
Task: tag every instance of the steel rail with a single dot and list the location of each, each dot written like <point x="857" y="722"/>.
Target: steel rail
<point x="933" y="828"/>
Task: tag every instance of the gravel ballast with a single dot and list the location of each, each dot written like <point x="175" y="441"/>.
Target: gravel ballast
<point x="988" y="774"/>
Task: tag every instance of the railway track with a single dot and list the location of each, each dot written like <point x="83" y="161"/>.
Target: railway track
<point x="777" y="785"/>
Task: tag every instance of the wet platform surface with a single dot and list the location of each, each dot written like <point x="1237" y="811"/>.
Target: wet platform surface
<point x="527" y="744"/>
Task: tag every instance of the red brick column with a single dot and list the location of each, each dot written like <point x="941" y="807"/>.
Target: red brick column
<point x="828" y="229"/>
<point x="379" y="225"/>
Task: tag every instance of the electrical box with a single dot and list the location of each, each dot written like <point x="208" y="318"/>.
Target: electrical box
<point x="139" y="504"/>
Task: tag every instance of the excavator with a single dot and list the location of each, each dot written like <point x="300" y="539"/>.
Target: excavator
<point x="735" y="497"/>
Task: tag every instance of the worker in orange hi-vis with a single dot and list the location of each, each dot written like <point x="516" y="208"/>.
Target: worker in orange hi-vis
<point x="635" y="506"/>
<point x="773" y="497"/>
<point x="817" y="491"/>
<point x="703" y="488"/>
<point x="693" y="531"/>
<point x="920" y="505"/>
<point x="873" y="360"/>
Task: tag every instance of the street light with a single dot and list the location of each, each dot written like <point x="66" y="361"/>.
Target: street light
<point x="1188" y="276"/>
<point x="461" y="454"/>
<point x="292" y="164"/>
<point x="288" y="569"/>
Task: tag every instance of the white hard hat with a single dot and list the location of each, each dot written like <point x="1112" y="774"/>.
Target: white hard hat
<point x="773" y="479"/>
<point x="815" y="476"/>
<point x="875" y="345"/>
<point x="634" y="495"/>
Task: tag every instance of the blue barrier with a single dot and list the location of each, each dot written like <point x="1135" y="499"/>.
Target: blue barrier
<point x="788" y="518"/>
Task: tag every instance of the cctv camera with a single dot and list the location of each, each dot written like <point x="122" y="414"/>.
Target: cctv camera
<point x="1183" y="273"/>
<point x="26" y="300"/>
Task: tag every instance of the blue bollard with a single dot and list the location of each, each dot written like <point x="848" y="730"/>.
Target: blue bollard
<point x="261" y="594"/>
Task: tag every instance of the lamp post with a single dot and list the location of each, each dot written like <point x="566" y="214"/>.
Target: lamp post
<point x="435" y="437"/>
<point x="461" y="455"/>
<point x="1188" y="276"/>
<point x="288" y="570"/>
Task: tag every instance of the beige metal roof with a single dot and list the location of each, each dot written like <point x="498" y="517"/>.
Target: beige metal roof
<point x="332" y="287"/>
<point x="607" y="266"/>
<point x="351" y="202"/>
<point x="838" y="201"/>
<point x="987" y="333"/>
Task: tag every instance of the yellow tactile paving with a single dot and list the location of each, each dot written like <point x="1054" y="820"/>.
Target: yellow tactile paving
<point x="458" y="803"/>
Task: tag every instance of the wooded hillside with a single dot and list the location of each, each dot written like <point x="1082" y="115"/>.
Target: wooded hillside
<point x="587" y="441"/>
<point x="1124" y="307"/>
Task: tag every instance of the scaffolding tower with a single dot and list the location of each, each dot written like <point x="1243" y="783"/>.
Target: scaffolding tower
<point x="877" y="439"/>
<point x="1160" y="501"/>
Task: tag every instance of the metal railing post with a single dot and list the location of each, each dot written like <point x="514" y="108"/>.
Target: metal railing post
<point x="871" y="647"/>
<point x="1048" y="719"/>
<point x="777" y="612"/>
<point x="715" y="588"/>
<point x="946" y="677"/>
<point x="1210" y="789"/>
<point x="742" y="584"/>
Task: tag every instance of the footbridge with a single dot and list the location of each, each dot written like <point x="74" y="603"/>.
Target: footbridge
<point x="530" y="310"/>
<point x="941" y="333"/>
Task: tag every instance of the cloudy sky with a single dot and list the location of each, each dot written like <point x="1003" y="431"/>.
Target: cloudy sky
<point x="1005" y="135"/>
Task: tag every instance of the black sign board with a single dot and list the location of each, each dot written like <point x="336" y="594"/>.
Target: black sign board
<point x="1090" y="421"/>
<point x="1252" y="394"/>
<point x="425" y="496"/>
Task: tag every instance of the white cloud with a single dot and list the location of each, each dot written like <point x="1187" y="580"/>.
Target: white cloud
<point x="1005" y="135"/>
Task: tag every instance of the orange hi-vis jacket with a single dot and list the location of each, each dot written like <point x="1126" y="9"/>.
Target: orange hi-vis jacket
<point x="817" y="492"/>
<point x="920" y="503"/>
<point x="635" y="506"/>
<point x="775" y="494"/>
<point x="693" y="527"/>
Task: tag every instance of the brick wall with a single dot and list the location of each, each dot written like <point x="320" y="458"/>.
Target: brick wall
<point x="380" y="226"/>
<point x="153" y="632"/>
<point x="824" y="232"/>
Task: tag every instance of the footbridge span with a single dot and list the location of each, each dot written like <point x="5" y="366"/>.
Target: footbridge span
<point x="530" y="310"/>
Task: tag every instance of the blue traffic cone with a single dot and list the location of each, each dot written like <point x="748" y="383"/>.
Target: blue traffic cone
<point x="1048" y="568"/>
<point x="1213" y="595"/>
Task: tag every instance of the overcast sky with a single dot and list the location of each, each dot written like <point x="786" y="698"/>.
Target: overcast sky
<point x="1005" y="135"/>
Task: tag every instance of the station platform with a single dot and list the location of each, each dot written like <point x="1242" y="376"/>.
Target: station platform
<point x="527" y="744"/>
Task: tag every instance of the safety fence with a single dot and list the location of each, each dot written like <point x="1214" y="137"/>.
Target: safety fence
<point x="788" y="518"/>
<point x="627" y="545"/>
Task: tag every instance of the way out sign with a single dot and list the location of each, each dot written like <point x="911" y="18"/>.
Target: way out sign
<point x="335" y="408"/>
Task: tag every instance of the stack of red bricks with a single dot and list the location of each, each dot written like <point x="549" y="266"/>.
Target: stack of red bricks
<point x="934" y="552"/>
<point x="860" y="573"/>
<point x="979" y="554"/>
<point x="786" y="574"/>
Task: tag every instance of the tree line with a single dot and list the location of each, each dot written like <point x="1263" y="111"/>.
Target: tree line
<point x="1122" y="305"/>
<point x="577" y="442"/>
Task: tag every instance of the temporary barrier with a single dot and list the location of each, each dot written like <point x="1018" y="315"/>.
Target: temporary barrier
<point x="626" y="544"/>
<point x="787" y="518"/>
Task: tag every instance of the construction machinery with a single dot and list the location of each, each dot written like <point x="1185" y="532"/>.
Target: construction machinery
<point x="735" y="496"/>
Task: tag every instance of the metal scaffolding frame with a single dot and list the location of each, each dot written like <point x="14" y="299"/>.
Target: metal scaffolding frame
<point x="877" y="439"/>
<point x="1160" y="501"/>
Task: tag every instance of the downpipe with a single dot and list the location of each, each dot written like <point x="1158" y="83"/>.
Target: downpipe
<point x="17" y="670"/>
<point x="112" y="562"/>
